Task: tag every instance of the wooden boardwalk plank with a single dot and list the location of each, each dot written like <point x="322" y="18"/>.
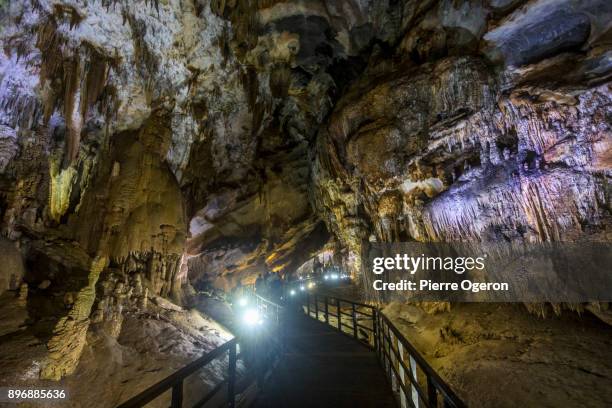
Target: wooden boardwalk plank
<point x="323" y="368"/>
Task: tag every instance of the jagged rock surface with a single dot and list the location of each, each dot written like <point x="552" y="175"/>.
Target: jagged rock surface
<point x="458" y="149"/>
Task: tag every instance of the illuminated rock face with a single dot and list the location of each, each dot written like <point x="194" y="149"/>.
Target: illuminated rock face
<point x="195" y="142"/>
<point x="471" y="162"/>
<point x="508" y="144"/>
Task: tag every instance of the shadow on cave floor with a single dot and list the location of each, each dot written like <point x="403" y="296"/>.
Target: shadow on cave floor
<point x="20" y="335"/>
<point x="35" y="317"/>
<point x="44" y="312"/>
<point x="219" y="310"/>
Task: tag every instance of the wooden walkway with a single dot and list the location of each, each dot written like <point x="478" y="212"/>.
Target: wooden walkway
<point x="323" y="368"/>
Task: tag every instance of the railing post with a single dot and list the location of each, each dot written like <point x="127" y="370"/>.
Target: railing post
<point x="375" y="329"/>
<point x="402" y="375"/>
<point x="354" y="322"/>
<point x="413" y="369"/>
<point x="389" y="354"/>
<point x="231" y="377"/>
<point x="326" y="310"/>
<point x="316" y="306"/>
<point x="308" y="303"/>
<point x="432" y="395"/>
<point x="177" y="395"/>
<point x="339" y="315"/>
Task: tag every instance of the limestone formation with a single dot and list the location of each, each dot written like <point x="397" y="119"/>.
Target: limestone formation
<point x="11" y="267"/>
<point x="157" y="149"/>
<point x="23" y="292"/>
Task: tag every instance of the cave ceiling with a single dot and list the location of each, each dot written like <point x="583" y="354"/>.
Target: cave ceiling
<point x="195" y="140"/>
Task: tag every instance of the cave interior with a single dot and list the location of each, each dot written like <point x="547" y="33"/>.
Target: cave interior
<point x="153" y="154"/>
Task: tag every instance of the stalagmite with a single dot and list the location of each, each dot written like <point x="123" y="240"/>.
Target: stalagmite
<point x="23" y="292"/>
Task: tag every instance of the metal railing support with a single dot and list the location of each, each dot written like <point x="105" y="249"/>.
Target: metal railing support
<point x="354" y="321"/>
<point x="339" y="315"/>
<point x="432" y="395"/>
<point x="326" y="310"/>
<point x="413" y="370"/>
<point x="177" y="395"/>
<point x="231" y="377"/>
<point x="402" y="374"/>
<point x="375" y="329"/>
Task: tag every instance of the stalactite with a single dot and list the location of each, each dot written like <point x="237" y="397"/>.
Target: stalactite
<point x="223" y="42"/>
<point x="96" y="74"/>
<point x="74" y="121"/>
<point x="280" y="81"/>
<point x="64" y="11"/>
<point x="250" y="83"/>
<point x="146" y="60"/>
<point x="244" y="19"/>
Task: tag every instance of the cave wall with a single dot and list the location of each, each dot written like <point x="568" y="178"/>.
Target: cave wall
<point x="89" y="195"/>
<point x="148" y="146"/>
<point x="504" y="136"/>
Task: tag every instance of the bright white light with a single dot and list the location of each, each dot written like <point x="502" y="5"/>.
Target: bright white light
<point x="311" y="285"/>
<point x="302" y="288"/>
<point x="325" y="277"/>
<point x="301" y="278"/>
<point x="243" y="302"/>
<point x="292" y="292"/>
<point x="252" y="317"/>
<point x="334" y="276"/>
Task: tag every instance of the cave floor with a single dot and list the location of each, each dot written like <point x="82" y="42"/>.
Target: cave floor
<point x="151" y="344"/>
<point x="501" y="356"/>
<point x="322" y="368"/>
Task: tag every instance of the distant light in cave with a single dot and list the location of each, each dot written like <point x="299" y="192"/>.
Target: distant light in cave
<point x="252" y="317"/>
